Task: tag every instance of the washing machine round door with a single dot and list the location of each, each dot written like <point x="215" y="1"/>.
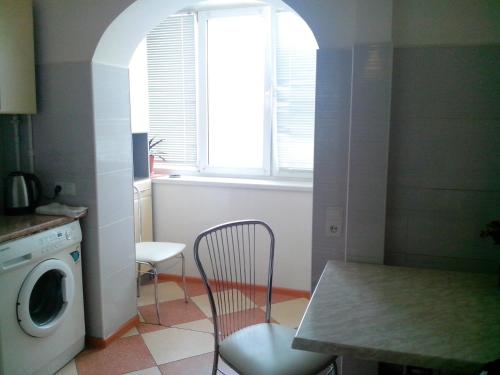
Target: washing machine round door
<point x="45" y="297"/>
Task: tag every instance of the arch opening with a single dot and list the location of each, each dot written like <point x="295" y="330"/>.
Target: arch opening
<point x="123" y="35"/>
<point x="110" y="64"/>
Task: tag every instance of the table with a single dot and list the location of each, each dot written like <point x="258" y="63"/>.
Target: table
<point x="428" y="318"/>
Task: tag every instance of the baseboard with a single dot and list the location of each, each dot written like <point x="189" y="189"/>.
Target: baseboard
<point x="99" y="343"/>
<point x="178" y="278"/>
<point x="191" y="279"/>
<point x="292" y="292"/>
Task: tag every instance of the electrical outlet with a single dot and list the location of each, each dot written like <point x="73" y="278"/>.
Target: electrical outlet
<point x="334" y="221"/>
<point x="67" y="188"/>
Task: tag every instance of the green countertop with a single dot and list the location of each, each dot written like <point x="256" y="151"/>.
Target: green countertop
<point x="413" y="316"/>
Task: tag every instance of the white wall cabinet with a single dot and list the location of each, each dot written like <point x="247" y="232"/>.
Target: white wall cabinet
<point x="139" y="101"/>
<point x="17" y="60"/>
<point x="146" y="204"/>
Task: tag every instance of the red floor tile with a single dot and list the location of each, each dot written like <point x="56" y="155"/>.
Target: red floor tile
<point x="125" y="355"/>
<point x="198" y="365"/>
<point x="172" y="313"/>
<point x="194" y="288"/>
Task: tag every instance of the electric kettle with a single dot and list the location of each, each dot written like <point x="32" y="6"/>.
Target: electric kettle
<point x="22" y="193"/>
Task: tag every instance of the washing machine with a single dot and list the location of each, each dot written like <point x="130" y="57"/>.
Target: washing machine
<point x="41" y="301"/>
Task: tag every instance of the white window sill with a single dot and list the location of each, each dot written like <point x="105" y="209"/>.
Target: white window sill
<point x="242" y="183"/>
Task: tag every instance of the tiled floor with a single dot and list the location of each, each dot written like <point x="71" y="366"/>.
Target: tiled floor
<point x="184" y="343"/>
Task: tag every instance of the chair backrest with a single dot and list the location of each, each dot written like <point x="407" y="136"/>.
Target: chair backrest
<point x="235" y="260"/>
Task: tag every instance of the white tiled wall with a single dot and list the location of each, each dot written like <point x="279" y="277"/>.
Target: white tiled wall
<point x="96" y="154"/>
<point x="113" y="240"/>
<point x="351" y="148"/>
<point x="113" y="145"/>
<point x="64" y="151"/>
<point x="444" y="184"/>
<point x="333" y="92"/>
<point x="368" y="152"/>
<point x="114" y="194"/>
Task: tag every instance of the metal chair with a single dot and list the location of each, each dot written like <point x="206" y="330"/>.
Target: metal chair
<point x="227" y="256"/>
<point x="152" y="254"/>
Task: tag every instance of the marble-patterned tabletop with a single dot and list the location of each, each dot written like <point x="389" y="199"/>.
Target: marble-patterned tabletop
<point x="413" y="316"/>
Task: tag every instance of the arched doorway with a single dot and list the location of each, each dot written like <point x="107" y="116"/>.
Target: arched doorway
<point x="110" y="64"/>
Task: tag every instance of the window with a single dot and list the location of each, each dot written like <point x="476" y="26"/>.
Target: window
<point x="233" y="84"/>
<point x="232" y="92"/>
<point x="295" y="89"/>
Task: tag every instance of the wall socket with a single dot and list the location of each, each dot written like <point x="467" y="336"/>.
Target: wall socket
<point x="334" y="221"/>
<point x="67" y="188"/>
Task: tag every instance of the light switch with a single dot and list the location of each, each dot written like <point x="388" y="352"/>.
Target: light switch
<point x="334" y="221"/>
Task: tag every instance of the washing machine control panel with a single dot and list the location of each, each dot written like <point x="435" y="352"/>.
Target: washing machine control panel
<point x="55" y="240"/>
<point x="40" y="245"/>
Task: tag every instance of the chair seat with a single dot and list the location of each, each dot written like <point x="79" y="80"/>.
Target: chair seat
<point x="156" y="252"/>
<point x="266" y="349"/>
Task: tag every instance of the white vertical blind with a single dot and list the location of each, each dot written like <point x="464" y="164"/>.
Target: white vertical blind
<point x="172" y="89"/>
<point x="295" y="93"/>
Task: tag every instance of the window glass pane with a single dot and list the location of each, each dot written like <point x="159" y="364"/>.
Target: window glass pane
<point x="236" y="72"/>
<point x="172" y="90"/>
<point x="295" y="93"/>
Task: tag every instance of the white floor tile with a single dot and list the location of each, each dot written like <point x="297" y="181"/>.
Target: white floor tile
<point x="203" y="325"/>
<point x="173" y="344"/>
<point x="168" y="291"/>
<point x="148" y="371"/>
<point x="289" y="313"/>
<point x="69" y="369"/>
<point x="240" y="300"/>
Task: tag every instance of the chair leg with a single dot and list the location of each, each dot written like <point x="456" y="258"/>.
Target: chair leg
<point x="138" y="280"/>
<point x="157" y="303"/>
<point x="184" y="277"/>
<point x="216" y="363"/>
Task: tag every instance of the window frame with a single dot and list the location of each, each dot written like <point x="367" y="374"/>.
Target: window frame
<point x="270" y="169"/>
<point x="203" y="125"/>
